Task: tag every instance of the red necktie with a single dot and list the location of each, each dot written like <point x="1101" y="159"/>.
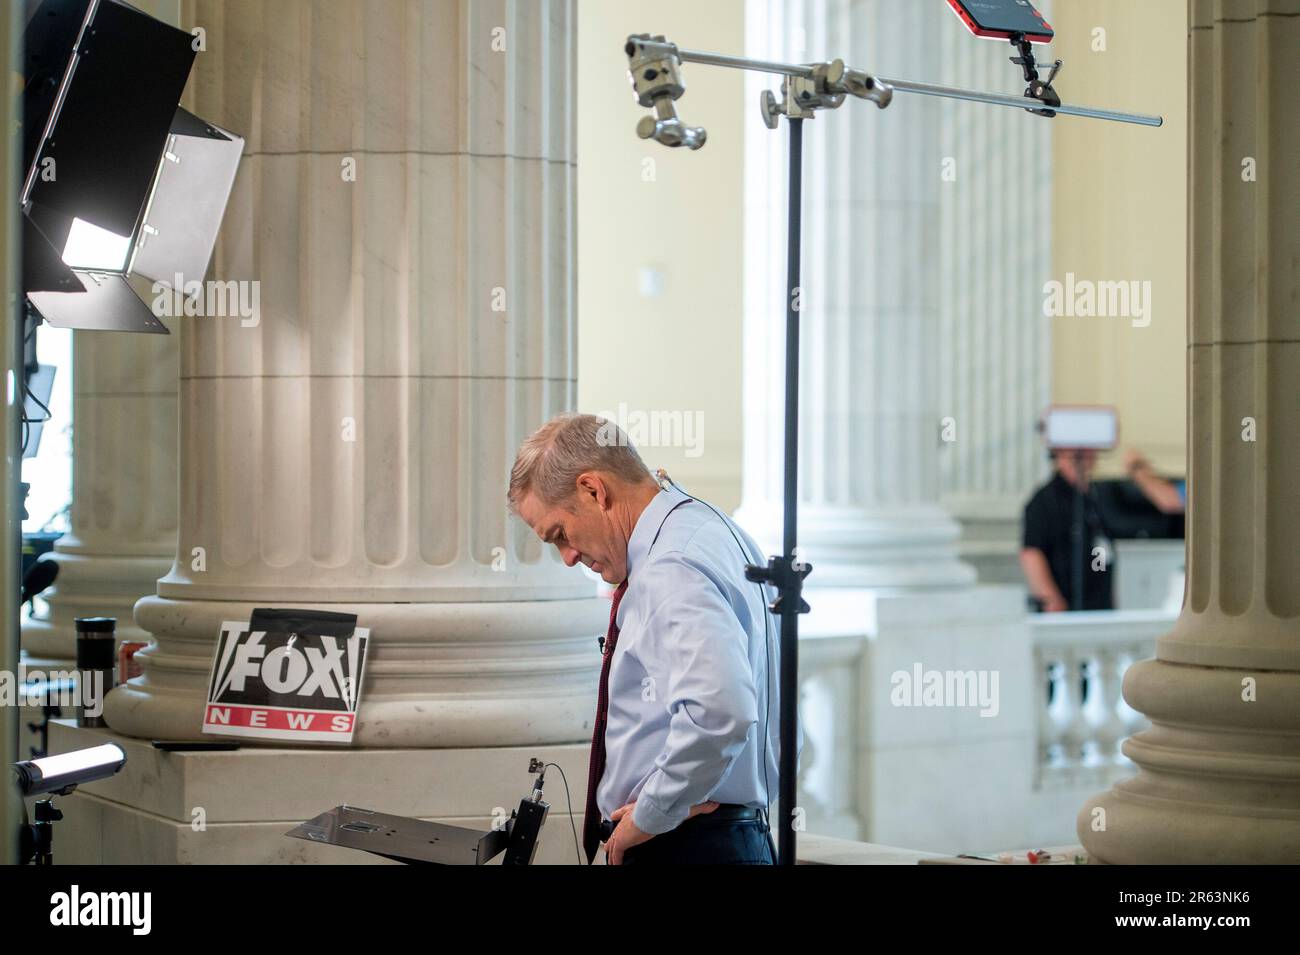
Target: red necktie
<point x="591" y="819"/>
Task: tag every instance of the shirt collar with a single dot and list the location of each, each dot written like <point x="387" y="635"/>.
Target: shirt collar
<point x="648" y="524"/>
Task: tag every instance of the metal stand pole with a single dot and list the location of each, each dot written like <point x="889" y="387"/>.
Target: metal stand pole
<point x="785" y="572"/>
<point x="11" y="59"/>
<point x="791" y="601"/>
<point x="1077" y="545"/>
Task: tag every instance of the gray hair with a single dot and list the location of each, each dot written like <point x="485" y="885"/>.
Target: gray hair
<point x="552" y="457"/>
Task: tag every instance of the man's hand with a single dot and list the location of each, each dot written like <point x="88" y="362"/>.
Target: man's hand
<point x="1038" y="575"/>
<point x="626" y="834"/>
<point x="1134" y="462"/>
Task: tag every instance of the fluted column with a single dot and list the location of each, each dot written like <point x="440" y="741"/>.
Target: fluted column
<point x="123" y="521"/>
<point x="995" y="250"/>
<point x="870" y="422"/>
<point x="1219" y="770"/>
<point x="406" y="202"/>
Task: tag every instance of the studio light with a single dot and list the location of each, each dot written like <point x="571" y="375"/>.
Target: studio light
<point x="63" y="773"/>
<point x="1086" y="427"/>
<point x="59" y="775"/>
<point x="96" y="249"/>
<point x="121" y="182"/>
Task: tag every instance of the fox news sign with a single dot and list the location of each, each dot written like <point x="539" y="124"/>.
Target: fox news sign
<point x="293" y="686"/>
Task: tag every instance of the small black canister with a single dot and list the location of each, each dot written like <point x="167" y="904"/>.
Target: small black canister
<point x="96" y="646"/>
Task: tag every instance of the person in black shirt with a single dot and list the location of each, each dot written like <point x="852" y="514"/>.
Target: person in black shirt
<point x="1053" y="543"/>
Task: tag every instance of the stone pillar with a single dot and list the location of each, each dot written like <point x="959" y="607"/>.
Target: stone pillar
<point x="870" y="422"/>
<point x="1219" y="770"/>
<point x="995" y="251"/>
<point x="406" y="204"/>
<point x="123" y="527"/>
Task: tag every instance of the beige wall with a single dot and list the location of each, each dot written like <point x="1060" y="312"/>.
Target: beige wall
<point x="678" y="351"/>
<point x="1120" y="195"/>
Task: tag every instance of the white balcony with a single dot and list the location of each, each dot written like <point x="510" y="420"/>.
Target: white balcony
<point x="960" y="776"/>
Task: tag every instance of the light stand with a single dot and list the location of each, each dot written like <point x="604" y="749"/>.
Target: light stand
<point x="784" y="572"/>
<point x="51" y="776"/>
<point x="656" y="82"/>
<point x="1078" y="528"/>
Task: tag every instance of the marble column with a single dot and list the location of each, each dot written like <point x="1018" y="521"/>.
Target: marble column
<point x="870" y="307"/>
<point x="1219" y="770"/>
<point x="406" y="204"/>
<point x="995" y="250"/>
<point x="123" y="521"/>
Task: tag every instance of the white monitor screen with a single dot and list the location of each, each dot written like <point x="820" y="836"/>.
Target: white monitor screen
<point x="1066" y="427"/>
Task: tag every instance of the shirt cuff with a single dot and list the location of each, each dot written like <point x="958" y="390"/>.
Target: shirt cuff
<point x="648" y="817"/>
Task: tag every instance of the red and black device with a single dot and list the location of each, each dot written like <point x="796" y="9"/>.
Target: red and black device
<point x="1022" y="24"/>
<point x="1003" y="19"/>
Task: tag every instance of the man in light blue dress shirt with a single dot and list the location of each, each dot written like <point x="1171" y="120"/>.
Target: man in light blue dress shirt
<point x="692" y="741"/>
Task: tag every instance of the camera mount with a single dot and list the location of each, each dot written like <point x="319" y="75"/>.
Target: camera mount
<point x="657" y="83"/>
<point x="1038" y="89"/>
<point x="825" y="87"/>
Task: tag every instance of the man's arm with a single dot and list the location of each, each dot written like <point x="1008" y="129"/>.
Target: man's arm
<point x="1038" y="575"/>
<point x="1161" y="493"/>
<point x="710" y="691"/>
<point x="1038" y="534"/>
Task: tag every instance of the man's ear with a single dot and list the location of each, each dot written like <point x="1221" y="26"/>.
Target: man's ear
<point x="592" y="486"/>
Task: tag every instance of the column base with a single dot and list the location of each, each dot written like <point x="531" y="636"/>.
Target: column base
<point x="1219" y="772"/>
<point x="92" y="586"/>
<point x="235" y="807"/>
<point x="438" y="675"/>
<point x="989" y="528"/>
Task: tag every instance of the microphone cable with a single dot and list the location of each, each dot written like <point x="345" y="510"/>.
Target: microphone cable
<point x="662" y="475"/>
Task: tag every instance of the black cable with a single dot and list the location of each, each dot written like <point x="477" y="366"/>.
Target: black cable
<point x="24" y="394"/>
<point x="21" y="382"/>
<point x="767" y="632"/>
<point x="40" y="404"/>
<point x="569" y="801"/>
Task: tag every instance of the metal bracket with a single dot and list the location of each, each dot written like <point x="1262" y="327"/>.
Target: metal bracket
<point x="1037" y="89"/>
<point x="825" y="88"/>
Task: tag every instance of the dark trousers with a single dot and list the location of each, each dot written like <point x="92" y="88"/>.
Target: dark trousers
<point x="706" y="840"/>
